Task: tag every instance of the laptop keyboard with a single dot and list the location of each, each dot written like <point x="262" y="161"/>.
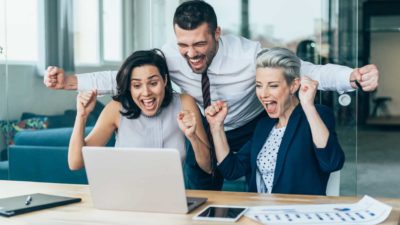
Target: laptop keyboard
<point x="189" y="203"/>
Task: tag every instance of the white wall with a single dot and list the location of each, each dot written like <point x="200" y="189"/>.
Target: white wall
<point x="385" y="48"/>
<point x="26" y="93"/>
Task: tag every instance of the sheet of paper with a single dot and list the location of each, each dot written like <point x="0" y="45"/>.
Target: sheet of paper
<point x="366" y="211"/>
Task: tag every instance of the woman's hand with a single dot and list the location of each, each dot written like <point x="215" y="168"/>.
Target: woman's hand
<point x="187" y="123"/>
<point x="216" y="114"/>
<point x="85" y="102"/>
<point x="307" y="91"/>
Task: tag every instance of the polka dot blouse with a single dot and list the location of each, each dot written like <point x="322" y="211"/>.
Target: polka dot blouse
<point x="266" y="159"/>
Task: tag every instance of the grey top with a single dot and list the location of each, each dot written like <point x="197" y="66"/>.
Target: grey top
<point x="159" y="131"/>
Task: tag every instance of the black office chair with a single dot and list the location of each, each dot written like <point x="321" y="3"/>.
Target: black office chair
<point x="380" y="104"/>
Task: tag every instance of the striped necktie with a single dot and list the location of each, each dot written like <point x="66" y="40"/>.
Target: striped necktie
<point x="205" y="88"/>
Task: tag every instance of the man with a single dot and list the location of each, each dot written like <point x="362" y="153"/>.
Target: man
<point x="204" y="63"/>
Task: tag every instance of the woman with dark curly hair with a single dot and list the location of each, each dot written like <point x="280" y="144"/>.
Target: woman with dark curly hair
<point x="144" y="113"/>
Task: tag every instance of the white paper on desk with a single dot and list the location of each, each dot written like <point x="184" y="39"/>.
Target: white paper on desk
<point x="366" y="211"/>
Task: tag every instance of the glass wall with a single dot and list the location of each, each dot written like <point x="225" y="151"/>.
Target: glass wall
<point x="3" y="92"/>
<point x="379" y="154"/>
<point x="315" y="36"/>
<point x="319" y="31"/>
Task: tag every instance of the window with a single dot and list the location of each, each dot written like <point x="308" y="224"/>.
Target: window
<point x="86" y="31"/>
<point x="273" y="23"/>
<point x="98" y="31"/>
<point x="112" y="30"/>
<point x="19" y="28"/>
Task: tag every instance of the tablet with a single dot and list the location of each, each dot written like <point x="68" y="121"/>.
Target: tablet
<point x="225" y="213"/>
<point x="16" y="205"/>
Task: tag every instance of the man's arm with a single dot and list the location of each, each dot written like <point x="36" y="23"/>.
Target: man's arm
<point x="104" y="82"/>
<point x="341" y="78"/>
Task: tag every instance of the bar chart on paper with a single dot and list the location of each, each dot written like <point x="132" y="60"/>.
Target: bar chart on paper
<point x="366" y="211"/>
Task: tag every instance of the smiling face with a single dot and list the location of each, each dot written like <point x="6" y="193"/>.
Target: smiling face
<point x="274" y="92"/>
<point x="147" y="89"/>
<point x="197" y="46"/>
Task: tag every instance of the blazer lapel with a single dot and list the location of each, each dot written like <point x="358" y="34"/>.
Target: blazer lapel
<point x="261" y="136"/>
<point x="290" y="131"/>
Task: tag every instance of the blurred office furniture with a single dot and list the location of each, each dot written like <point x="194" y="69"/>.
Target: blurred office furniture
<point x="43" y="156"/>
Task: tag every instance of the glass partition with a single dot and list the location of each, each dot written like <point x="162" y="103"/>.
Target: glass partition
<point x="342" y="41"/>
<point x="322" y="35"/>
<point x="378" y="158"/>
<point x="3" y="92"/>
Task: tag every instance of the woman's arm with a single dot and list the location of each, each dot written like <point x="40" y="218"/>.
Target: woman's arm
<point x="231" y="165"/>
<point x="322" y="124"/>
<point x="189" y="120"/>
<point x="319" y="131"/>
<point x="101" y="133"/>
<point x="216" y="114"/>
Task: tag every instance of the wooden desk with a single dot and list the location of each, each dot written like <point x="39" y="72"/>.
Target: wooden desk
<point x="84" y="213"/>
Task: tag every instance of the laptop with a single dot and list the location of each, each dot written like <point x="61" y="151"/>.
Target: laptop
<point x="137" y="179"/>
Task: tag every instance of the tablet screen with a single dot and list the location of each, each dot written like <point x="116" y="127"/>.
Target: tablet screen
<point x="221" y="212"/>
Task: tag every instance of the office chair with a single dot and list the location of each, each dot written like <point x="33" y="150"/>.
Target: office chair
<point x="333" y="187"/>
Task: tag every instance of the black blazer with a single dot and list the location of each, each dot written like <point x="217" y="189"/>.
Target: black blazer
<point x="301" y="168"/>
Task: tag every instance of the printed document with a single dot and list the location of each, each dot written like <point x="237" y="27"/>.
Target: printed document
<point x="366" y="211"/>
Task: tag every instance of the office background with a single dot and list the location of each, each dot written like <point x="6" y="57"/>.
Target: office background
<point x="95" y="35"/>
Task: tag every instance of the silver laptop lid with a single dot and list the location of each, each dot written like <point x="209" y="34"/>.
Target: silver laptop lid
<point x="137" y="179"/>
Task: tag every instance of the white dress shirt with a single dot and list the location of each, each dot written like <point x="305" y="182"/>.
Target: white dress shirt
<point x="232" y="78"/>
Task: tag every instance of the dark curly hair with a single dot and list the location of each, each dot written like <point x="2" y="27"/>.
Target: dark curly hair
<point x="153" y="57"/>
<point x="191" y="14"/>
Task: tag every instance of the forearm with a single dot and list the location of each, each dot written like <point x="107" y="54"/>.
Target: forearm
<point x="104" y="82"/>
<point x="201" y="152"/>
<point x="331" y="77"/>
<point x="71" y="82"/>
<point x="220" y="143"/>
<point x="319" y="131"/>
<point x="75" y="157"/>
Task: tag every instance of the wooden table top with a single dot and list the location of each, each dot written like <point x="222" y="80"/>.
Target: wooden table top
<point x="84" y="213"/>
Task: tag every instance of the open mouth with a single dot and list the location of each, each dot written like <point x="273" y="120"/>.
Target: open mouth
<point x="196" y="62"/>
<point x="149" y="104"/>
<point x="271" y="106"/>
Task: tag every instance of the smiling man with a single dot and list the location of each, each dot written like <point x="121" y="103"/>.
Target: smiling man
<point x="210" y="66"/>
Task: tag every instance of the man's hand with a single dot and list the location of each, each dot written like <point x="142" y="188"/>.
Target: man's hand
<point x="54" y="78"/>
<point x="187" y="123"/>
<point x="367" y="76"/>
<point x="216" y="114"/>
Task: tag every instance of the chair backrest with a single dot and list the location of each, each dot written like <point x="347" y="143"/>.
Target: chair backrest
<point x="333" y="187"/>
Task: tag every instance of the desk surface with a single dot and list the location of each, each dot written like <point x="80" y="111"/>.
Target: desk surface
<point x="84" y="213"/>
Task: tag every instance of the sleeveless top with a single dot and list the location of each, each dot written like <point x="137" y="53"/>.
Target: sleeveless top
<point x="158" y="131"/>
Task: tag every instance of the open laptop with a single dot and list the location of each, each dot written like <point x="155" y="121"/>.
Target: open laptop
<point x="137" y="179"/>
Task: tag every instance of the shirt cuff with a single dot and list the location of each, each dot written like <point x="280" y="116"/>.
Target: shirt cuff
<point x="84" y="82"/>
<point x="103" y="82"/>
<point x="344" y="84"/>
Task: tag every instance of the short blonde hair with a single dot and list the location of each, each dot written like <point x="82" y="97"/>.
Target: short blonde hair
<point x="280" y="58"/>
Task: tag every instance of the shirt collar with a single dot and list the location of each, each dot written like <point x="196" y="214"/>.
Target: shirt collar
<point x="217" y="60"/>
